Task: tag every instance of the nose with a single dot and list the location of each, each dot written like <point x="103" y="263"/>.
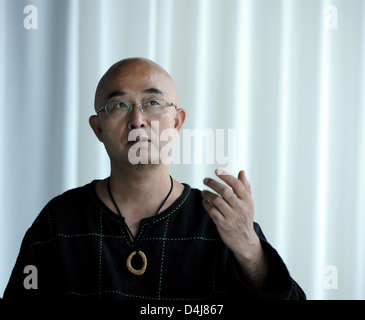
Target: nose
<point x="136" y="118"/>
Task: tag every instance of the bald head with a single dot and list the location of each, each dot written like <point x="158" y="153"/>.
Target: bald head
<point x="133" y="79"/>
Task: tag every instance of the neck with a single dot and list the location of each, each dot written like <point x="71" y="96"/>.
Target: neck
<point x="138" y="192"/>
<point x="140" y="188"/>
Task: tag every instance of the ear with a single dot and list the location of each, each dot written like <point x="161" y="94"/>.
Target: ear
<point x="95" y="125"/>
<point x="179" y="119"/>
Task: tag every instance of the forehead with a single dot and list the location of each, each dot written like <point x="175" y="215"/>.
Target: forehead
<point x="134" y="79"/>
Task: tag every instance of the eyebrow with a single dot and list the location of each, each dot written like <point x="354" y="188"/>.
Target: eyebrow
<point x="120" y="93"/>
<point x="116" y="94"/>
<point x="153" y="90"/>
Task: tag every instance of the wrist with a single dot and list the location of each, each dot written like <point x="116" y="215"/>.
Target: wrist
<point x="249" y="251"/>
<point x="253" y="263"/>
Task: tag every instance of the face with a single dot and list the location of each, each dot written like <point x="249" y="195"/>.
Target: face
<point x="135" y="81"/>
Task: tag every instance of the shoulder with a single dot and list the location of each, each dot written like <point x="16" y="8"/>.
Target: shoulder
<point x="73" y="198"/>
<point x="192" y="220"/>
<point x="191" y="199"/>
<point x="67" y="209"/>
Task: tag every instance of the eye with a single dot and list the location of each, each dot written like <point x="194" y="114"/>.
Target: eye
<point x="120" y="105"/>
<point x="152" y="103"/>
<point x="117" y="107"/>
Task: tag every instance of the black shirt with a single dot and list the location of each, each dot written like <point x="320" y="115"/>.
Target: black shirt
<point x="80" y="247"/>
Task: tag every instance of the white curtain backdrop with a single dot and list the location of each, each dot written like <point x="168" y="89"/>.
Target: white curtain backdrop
<point x="287" y="77"/>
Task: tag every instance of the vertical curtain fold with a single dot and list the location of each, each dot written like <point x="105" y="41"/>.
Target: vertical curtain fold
<point x="290" y="87"/>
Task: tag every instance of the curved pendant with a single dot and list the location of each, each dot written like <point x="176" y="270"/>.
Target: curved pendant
<point x="129" y="265"/>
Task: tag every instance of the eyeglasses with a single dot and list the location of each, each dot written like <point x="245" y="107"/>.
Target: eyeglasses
<point x="121" y="109"/>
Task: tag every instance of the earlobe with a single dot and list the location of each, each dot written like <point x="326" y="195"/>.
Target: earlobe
<point x="95" y="125"/>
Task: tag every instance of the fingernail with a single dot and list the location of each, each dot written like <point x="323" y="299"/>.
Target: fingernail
<point x="218" y="171"/>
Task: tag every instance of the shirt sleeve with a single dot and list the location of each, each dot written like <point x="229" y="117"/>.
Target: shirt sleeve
<point x="278" y="285"/>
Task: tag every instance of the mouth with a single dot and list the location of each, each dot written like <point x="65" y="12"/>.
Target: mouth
<point x="139" y="140"/>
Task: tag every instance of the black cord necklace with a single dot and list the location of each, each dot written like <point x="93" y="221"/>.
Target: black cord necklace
<point x="138" y="272"/>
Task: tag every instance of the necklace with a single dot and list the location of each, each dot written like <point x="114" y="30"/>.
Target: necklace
<point x="138" y="272"/>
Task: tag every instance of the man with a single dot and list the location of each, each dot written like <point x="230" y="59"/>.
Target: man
<point x="139" y="234"/>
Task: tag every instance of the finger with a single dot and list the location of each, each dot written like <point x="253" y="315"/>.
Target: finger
<point x="213" y="212"/>
<point x="246" y="182"/>
<point x="223" y="190"/>
<point x="217" y="201"/>
<point x="236" y="184"/>
<point x="243" y="178"/>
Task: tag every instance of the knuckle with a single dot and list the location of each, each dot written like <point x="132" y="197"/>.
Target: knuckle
<point x="216" y="199"/>
<point x="225" y="226"/>
<point x="241" y="188"/>
<point x="226" y="192"/>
